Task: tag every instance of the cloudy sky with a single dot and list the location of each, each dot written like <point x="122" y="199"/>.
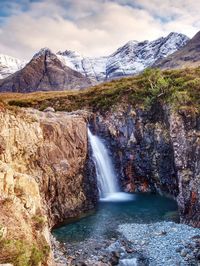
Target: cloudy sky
<point x="91" y="27"/>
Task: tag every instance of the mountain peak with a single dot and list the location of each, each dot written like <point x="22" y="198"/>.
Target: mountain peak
<point x="131" y="42"/>
<point x="42" y="52"/>
<point x="187" y="56"/>
<point x="131" y="58"/>
<point x="177" y="35"/>
<point x="45" y="72"/>
<point x="196" y="37"/>
<point x="9" y="65"/>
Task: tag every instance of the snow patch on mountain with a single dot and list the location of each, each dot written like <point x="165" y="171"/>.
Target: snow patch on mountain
<point x="9" y="65"/>
<point x="129" y="59"/>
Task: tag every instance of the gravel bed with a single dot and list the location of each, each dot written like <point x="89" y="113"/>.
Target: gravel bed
<point x="165" y="243"/>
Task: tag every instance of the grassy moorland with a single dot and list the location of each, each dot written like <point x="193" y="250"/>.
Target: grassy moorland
<point x="179" y="88"/>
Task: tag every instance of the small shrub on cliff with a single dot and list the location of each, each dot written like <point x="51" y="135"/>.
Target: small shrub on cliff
<point x="181" y="98"/>
<point x="39" y="222"/>
<point x="38" y="256"/>
<point x="156" y="86"/>
<point x="19" y="103"/>
<point x="14" y="251"/>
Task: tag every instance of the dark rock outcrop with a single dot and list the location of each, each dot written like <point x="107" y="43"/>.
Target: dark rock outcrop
<point x="45" y="72"/>
<point x="156" y="151"/>
<point x="185" y="136"/>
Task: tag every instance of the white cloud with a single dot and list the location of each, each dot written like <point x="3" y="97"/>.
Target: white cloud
<point x="93" y="27"/>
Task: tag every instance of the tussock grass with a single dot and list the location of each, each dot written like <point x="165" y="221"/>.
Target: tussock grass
<point x="175" y="87"/>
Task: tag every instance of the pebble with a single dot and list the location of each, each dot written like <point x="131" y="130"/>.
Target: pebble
<point x="184" y="252"/>
<point x="158" y="244"/>
<point x="166" y="243"/>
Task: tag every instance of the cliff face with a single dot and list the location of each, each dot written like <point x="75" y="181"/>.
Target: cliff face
<point x="185" y="136"/>
<point x="45" y="178"/>
<point x="46" y="175"/>
<point x="157" y="150"/>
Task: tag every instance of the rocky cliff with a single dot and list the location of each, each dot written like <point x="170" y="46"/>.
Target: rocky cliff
<point x="151" y="124"/>
<point x="156" y="151"/>
<point x="45" y="178"/>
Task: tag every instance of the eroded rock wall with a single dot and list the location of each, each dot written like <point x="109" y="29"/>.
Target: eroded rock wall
<point x="185" y="136"/>
<point x="45" y="176"/>
<point x="156" y="151"/>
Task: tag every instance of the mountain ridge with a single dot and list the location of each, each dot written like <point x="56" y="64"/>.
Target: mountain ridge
<point x="70" y="70"/>
<point x="9" y="65"/>
<point x="187" y="56"/>
<point x="43" y="73"/>
<point x="129" y="59"/>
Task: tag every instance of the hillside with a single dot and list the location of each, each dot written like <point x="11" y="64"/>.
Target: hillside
<point x="174" y="87"/>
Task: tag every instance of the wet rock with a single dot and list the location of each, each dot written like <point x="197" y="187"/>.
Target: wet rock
<point x="158" y="151"/>
<point x="179" y="249"/>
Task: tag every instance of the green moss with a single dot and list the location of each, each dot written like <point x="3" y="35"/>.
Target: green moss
<point x="38" y="256"/>
<point x="21" y="253"/>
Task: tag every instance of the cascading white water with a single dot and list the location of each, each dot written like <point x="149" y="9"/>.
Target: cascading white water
<point x="104" y="168"/>
<point x="107" y="182"/>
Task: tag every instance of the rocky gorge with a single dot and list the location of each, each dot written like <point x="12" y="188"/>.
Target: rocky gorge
<point x="46" y="172"/>
<point x="156" y="151"/>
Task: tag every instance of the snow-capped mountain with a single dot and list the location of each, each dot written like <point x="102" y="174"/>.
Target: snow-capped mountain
<point x="45" y="72"/>
<point x="9" y="65"/>
<point x="188" y="56"/>
<point x="129" y="59"/>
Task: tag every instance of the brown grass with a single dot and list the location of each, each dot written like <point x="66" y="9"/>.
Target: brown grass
<point x="175" y="87"/>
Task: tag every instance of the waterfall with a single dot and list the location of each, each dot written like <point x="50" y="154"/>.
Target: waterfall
<point x="106" y="178"/>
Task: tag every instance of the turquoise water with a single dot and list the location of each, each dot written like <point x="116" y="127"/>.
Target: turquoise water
<point x="143" y="208"/>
